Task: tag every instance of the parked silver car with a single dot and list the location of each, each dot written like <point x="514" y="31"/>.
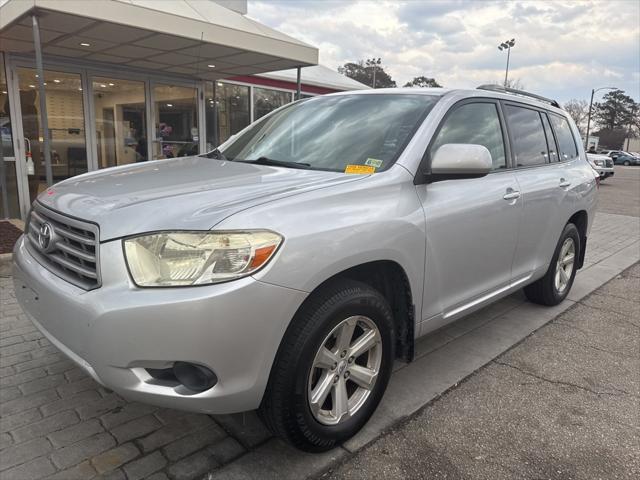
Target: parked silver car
<point x="288" y="269"/>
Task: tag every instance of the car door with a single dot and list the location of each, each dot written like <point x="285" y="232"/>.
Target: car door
<point x="471" y="224"/>
<point x="545" y="181"/>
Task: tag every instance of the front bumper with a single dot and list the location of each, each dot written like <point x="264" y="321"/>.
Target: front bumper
<point x="117" y="331"/>
<point x="604" y="172"/>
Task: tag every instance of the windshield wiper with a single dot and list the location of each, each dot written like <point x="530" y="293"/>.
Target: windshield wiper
<point x="277" y="163"/>
<point x="215" y="153"/>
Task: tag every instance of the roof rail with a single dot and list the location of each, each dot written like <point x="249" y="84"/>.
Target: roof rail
<point x="514" y="91"/>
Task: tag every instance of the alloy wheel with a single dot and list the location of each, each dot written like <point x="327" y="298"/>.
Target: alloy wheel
<point x="345" y="370"/>
<point x="564" y="265"/>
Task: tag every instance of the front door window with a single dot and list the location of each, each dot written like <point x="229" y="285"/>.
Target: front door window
<point x="65" y="113"/>
<point x="176" y="121"/>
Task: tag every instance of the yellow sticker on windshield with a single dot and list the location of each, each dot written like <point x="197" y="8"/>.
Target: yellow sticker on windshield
<point x="360" y="169"/>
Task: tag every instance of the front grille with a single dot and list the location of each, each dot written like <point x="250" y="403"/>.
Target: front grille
<point x="609" y="163"/>
<point x="72" y="250"/>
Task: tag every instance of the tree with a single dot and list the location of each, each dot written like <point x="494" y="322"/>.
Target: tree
<point x="423" y="82"/>
<point x="616" y="111"/>
<point x="363" y="72"/>
<point x="579" y="111"/>
<point x="610" y="139"/>
<point x="514" y="83"/>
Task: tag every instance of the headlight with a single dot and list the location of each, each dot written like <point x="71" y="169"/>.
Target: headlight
<point x="170" y="259"/>
<point x="600" y="163"/>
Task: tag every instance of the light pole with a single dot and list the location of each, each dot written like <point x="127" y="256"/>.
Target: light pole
<point x="593" y="91"/>
<point x="507" y="46"/>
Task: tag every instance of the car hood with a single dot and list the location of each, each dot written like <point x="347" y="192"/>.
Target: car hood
<point x="596" y="156"/>
<point x="190" y="193"/>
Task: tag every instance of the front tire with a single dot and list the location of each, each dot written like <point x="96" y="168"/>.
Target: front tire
<point x="332" y="367"/>
<point x="554" y="287"/>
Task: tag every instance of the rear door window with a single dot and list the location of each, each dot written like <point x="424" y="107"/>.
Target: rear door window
<point x="529" y="143"/>
<point x="475" y="123"/>
<point x="566" y="141"/>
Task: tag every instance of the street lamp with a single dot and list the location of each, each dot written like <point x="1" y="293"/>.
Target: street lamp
<point x="507" y="46"/>
<point x="593" y="91"/>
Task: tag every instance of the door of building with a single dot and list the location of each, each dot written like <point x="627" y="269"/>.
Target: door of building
<point x="176" y="115"/>
<point x="67" y="133"/>
<point x="9" y="203"/>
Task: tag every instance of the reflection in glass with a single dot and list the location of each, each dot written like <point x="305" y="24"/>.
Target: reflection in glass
<point x="8" y="165"/>
<point x="566" y="140"/>
<point x="176" y="114"/>
<point x="65" y="115"/>
<point x="529" y="142"/>
<point x="329" y="133"/>
<point x="266" y="100"/>
<point x="120" y="121"/>
<point x="232" y="105"/>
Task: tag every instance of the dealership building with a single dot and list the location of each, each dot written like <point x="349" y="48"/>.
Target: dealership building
<point x="124" y="81"/>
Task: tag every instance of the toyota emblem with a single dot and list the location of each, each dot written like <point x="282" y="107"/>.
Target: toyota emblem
<point x="45" y="236"/>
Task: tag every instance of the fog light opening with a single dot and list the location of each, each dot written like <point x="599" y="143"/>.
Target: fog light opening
<point x="194" y="377"/>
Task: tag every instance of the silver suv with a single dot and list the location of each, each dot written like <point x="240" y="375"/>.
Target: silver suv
<point x="288" y="269"/>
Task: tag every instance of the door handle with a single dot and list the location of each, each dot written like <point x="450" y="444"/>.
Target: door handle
<point x="564" y="183"/>
<point x="511" y="194"/>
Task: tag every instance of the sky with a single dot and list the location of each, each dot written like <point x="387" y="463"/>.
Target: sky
<point x="563" y="48"/>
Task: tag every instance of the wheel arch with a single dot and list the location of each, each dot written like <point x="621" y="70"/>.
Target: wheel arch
<point x="581" y="220"/>
<point x="391" y="280"/>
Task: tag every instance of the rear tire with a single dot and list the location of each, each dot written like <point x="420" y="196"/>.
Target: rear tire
<point x="554" y="287"/>
<point x="626" y="163"/>
<point x="288" y="408"/>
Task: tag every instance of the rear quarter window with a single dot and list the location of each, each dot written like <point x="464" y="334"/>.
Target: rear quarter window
<point x="566" y="140"/>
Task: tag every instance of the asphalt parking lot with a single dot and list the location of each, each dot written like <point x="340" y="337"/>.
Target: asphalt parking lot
<point x="620" y="194"/>
<point x="531" y="413"/>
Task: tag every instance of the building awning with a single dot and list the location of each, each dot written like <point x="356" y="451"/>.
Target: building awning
<point x="185" y="37"/>
<point x="318" y="76"/>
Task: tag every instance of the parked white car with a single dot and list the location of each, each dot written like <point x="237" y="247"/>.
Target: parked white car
<point x="602" y="164"/>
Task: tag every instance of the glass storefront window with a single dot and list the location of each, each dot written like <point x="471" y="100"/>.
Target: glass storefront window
<point x="120" y="121"/>
<point x="9" y="206"/>
<point x="211" y="117"/>
<point x="65" y="113"/>
<point x="266" y="100"/>
<point x="232" y="106"/>
<point x="176" y="116"/>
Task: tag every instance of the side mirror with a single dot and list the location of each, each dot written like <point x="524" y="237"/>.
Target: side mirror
<point x="459" y="160"/>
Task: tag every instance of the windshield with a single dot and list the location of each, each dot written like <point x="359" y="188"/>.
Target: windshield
<point x="333" y="132"/>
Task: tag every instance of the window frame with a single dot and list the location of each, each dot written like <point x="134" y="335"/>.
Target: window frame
<point x="424" y="169"/>
<point x="545" y="115"/>
<point x="540" y="111"/>
<point x="575" y="144"/>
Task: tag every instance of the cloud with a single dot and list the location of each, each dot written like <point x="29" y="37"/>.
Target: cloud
<point x="563" y="48"/>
